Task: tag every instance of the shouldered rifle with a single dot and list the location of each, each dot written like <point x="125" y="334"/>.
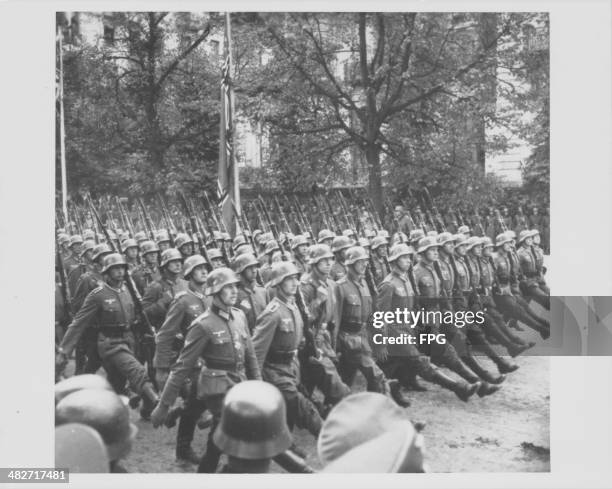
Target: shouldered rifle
<point x="281" y="214"/>
<point x="63" y="280"/>
<point x="336" y="222"/>
<point x="211" y="210"/>
<point x="147" y="220"/>
<point x="167" y="219"/>
<point x="500" y="221"/>
<point x="193" y="224"/>
<point x="478" y="221"/>
<point x="441" y="225"/>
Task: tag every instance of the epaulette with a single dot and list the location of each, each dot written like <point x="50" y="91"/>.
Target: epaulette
<point x="180" y="294"/>
<point x="272" y="306"/>
<point x="200" y="317"/>
<point x="342" y="280"/>
<point x="97" y="289"/>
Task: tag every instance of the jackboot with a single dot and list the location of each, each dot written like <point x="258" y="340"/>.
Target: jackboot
<point x="149" y="401"/>
<point x="462" y="389"/>
<point x="395" y="391"/>
<point x="479" y="370"/>
<point x="487" y="389"/>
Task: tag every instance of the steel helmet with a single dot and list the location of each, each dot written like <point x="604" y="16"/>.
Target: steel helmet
<point x="271" y="246"/>
<point x="363" y="242"/>
<point x="149" y="247"/>
<point x="123" y="235"/>
<point x="486" y="242"/>
<point x="113" y="260"/>
<point x="282" y="270"/>
<point x="523" y="235"/>
<point x="129" y="243"/>
<point x="426" y="243"/>
<point x="463" y="230"/>
<point x="244" y="249"/>
<point x="298" y="240"/>
<point x="87" y="246"/>
<point x="460" y="239"/>
<point x="502" y="239"/>
<point x="239" y="240"/>
<point x="473" y="241"/>
<point x="399" y="238"/>
<point x="219" y="278"/>
<point x="355" y="254"/>
<point x="105" y="412"/>
<point x="400" y="249"/>
<point x="416" y="235"/>
<point x="317" y="252"/>
<point x="444" y="238"/>
<point x="214" y="254"/>
<point x="370" y="234"/>
<point x="89" y="234"/>
<point x="243" y="261"/>
<point x="383" y="233"/>
<point x="182" y="239"/>
<point x="75" y="239"/>
<point x="225" y="237"/>
<point x="80" y="382"/>
<point x="432" y="233"/>
<point x="63" y="238"/>
<point x="140" y="236"/>
<point x="348" y="233"/>
<point x="535" y="232"/>
<point x="162" y="237"/>
<point x="192" y="262"/>
<point x="341" y="243"/>
<point x="171" y="254"/>
<point x="80" y="448"/>
<point x="256" y="234"/>
<point x="511" y="233"/>
<point x="325" y="234"/>
<point x="377" y="242"/>
<point x="253" y="422"/>
<point x="99" y="250"/>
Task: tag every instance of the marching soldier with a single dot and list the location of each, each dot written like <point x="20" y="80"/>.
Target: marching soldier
<point x="538" y="254"/>
<point x="85" y="265"/>
<point x="130" y="250"/>
<point x="73" y="260"/>
<point x="319" y="297"/>
<point x="111" y="308"/>
<point x="530" y="284"/>
<point x="148" y="272"/>
<point x="340" y="245"/>
<point x="299" y="247"/>
<point x="163" y="241"/>
<point x="184" y="244"/>
<point x="404" y="361"/>
<point x="159" y="294"/>
<point x="215" y="255"/>
<point x="266" y="269"/>
<point x="220" y="338"/>
<point x="184" y="309"/>
<point x="380" y="267"/>
<point x="277" y="336"/>
<point x="252" y="297"/>
<point x="87" y="359"/>
<point x="404" y="224"/>
<point x="325" y="237"/>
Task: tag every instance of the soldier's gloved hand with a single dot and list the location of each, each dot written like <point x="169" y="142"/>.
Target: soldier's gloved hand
<point x="159" y="414"/>
<point x="161" y="376"/>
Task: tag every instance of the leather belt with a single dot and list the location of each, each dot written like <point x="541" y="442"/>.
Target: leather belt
<point x="285" y="357"/>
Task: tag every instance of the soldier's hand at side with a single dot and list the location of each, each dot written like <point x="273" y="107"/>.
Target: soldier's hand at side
<point x="159" y="414"/>
<point x="161" y="376"/>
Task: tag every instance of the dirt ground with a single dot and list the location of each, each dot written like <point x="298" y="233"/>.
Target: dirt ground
<point x="505" y="432"/>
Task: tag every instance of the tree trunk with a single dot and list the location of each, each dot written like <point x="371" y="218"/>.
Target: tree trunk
<point x="372" y="154"/>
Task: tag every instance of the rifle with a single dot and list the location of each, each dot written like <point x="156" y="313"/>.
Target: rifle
<point x="392" y="214"/>
<point x="435" y="210"/>
<point x="167" y="219"/>
<point x="194" y="227"/>
<point x="63" y="280"/>
<point x="77" y="219"/>
<point x="478" y="220"/>
<point x="336" y="225"/>
<point x="281" y="214"/>
<point x="146" y="219"/>
<point x="500" y="221"/>
<point x="143" y="330"/>
<point x="372" y="210"/>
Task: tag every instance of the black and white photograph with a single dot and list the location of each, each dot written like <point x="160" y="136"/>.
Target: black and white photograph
<point x="302" y="242"/>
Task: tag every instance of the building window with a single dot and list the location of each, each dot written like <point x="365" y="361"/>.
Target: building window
<point x="109" y="34"/>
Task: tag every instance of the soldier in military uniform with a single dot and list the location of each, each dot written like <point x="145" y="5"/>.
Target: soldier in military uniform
<point x="87" y="359"/>
<point x="277" y="336"/>
<point x="404" y="361"/>
<point x="339" y="246"/>
<point x="530" y="284"/>
<point x="266" y="269"/>
<point x="159" y="294"/>
<point x="325" y="237"/>
<point x="163" y="241"/>
<point x="220" y="338"/>
<point x="404" y="223"/>
<point x="354" y="313"/>
<point x="299" y="247"/>
<point x="130" y="250"/>
<point x="380" y="267"/>
<point x="184" y="309"/>
<point x="538" y="254"/>
<point x="73" y="260"/>
<point x="429" y="285"/>
<point x="252" y="297"/>
<point x="184" y="244"/>
<point x="85" y="265"/>
<point x="148" y="272"/>
<point x="318" y="291"/>
<point x="111" y="308"/>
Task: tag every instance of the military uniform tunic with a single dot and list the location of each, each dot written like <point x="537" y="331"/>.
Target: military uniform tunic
<point x="158" y="297"/>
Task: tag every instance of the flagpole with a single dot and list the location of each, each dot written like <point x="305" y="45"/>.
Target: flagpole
<point x="236" y="193"/>
<point x="62" y="128"/>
